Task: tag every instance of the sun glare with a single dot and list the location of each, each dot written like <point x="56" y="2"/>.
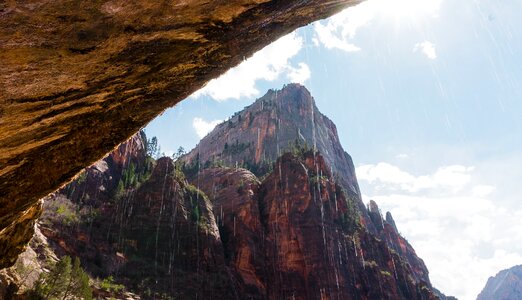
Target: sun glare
<point x="400" y="9"/>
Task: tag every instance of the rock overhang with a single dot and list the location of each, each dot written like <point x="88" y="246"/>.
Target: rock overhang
<point x="78" y="78"/>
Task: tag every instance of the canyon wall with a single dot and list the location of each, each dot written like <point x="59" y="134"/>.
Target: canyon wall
<point x="255" y="211"/>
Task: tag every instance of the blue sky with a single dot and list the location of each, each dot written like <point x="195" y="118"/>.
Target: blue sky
<point x="426" y="97"/>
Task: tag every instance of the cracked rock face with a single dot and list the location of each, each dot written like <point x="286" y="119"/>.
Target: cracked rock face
<point x="14" y="237"/>
<point x="79" y="77"/>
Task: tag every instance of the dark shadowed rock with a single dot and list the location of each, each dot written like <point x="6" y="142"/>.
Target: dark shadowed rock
<point x="234" y="196"/>
<point x="14" y="238"/>
<point x="391" y="221"/>
<point x="295" y="234"/>
<point x="158" y="234"/>
<point x="387" y="231"/>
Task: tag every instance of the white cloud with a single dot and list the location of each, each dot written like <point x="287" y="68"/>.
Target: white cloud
<point x="482" y="190"/>
<point x="338" y="30"/>
<point x="327" y="35"/>
<point x="168" y="153"/>
<point x="393" y="178"/>
<point x="426" y="47"/>
<point x="456" y="223"/>
<point x="203" y="127"/>
<point x="267" y="64"/>
<point x="383" y="172"/>
<point x="299" y="75"/>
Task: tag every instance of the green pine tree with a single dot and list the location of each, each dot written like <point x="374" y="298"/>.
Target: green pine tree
<point x="65" y="280"/>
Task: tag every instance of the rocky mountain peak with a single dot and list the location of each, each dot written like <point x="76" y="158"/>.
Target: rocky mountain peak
<point x="293" y="95"/>
<point x="278" y="121"/>
<point x="390" y="220"/>
<point x="372" y="207"/>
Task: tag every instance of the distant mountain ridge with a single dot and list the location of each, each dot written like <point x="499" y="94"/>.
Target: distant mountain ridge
<point x="506" y="285"/>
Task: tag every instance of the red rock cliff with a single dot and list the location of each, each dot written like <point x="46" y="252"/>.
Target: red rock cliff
<point x="259" y="134"/>
<point x="275" y="123"/>
<point x="296" y="235"/>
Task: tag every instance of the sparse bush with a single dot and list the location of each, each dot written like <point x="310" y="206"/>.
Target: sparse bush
<point x="82" y="177"/>
<point x="318" y="179"/>
<point x="370" y="263"/>
<point x="110" y="286"/>
<point x="298" y="148"/>
<point x="61" y="210"/>
<point x="235" y="148"/>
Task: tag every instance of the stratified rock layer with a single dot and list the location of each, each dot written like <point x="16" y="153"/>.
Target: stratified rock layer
<point x="80" y="77"/>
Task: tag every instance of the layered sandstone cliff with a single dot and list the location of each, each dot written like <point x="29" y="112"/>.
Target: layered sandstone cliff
<point x="256" y="136"/>
<point x="293" y="235"/>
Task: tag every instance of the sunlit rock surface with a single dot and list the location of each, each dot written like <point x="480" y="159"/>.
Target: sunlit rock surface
<point x="80" y="77"/>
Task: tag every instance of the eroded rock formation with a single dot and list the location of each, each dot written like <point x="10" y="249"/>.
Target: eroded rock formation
<point x="80" y="77"/>
<point x="387" y="231"/>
